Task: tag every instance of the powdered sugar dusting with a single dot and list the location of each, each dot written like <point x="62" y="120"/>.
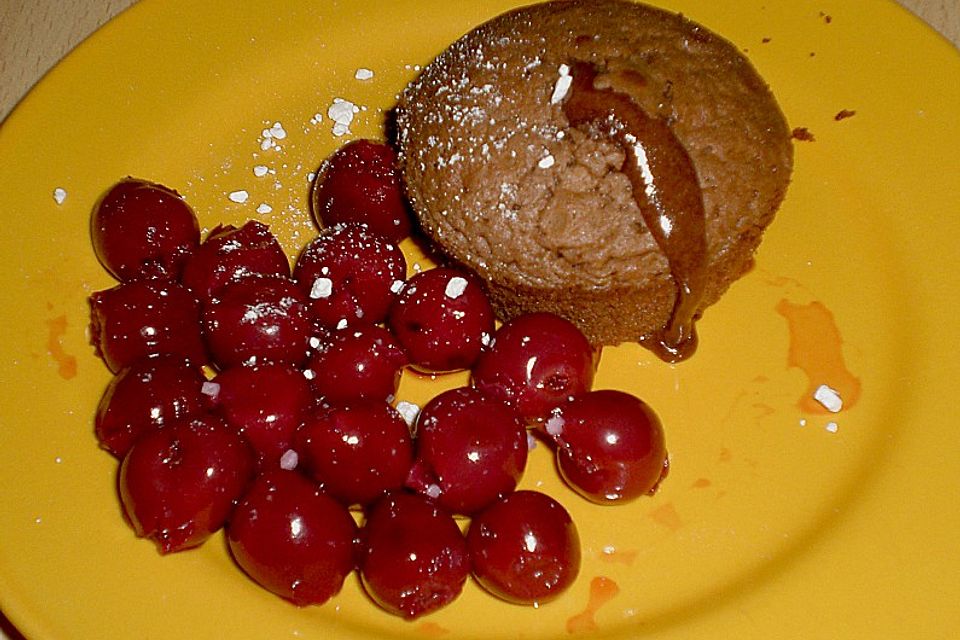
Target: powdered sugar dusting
<point x="210" y="389"/>
<point x="562" y="86"/>
<point x="455" y="287"/>
<point x="554" y="425"/>
<point x="409" y="411"/>
<point x="289" y="460"/>
<point x="829" y="398"/>
<point x="341" y="112"/>
<point x="322" y="288"/>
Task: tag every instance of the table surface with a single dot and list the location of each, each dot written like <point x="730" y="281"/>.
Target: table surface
<point x="36" y="34"/>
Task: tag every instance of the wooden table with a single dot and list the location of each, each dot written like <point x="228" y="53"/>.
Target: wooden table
<point x="35" y="34"/>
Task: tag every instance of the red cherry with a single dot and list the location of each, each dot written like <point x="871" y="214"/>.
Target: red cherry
<point x="524" y="548"/>
<point x="442" y="318"/>
<point x="350" y="275"/>
<point x="148" y="394"/>
<point x="255" y="320"/>
<point x="360" y="183"/>
<point x="293" y="539"/>
<point x="414" y="558"/>
<point x="265" y="403"/>
<point x="536" y="363"/>
<point x="357" y="364"/>
<point x="143" y="230"/>
<point x="229" y="254"/>
<point x="356" y="451"/>
<point x="179" y="483"/>
<point x="145" y="318"/>
<point x="471" y="450"/>
<point x="610" y="446"/>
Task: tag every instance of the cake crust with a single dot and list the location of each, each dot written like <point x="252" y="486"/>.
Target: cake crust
<point x="541" y="210"/>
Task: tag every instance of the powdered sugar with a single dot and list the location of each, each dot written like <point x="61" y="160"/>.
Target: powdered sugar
<point x="455" y="287"/>
<point x="341" y="112"/>
<point x="409" y="411"/>
<point x="829" y="398"/>
<point x="322" y="288"/>
<point x="562" y="86"/>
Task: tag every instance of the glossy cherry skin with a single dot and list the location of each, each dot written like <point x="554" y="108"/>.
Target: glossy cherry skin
<point x="142" y="229"/>
<point x="442" y="318"/>
<point x="360" y="183"/>
<point x="413" y="557"/>
<point x="179" y="483"/>
<point x="254" y="320"/>
<point x="265" y="403"/>
<point x="145" y="318"/>
<point x="350" y="275"/>
<point x="524" y="548"/>
<point x="536" y="362"/>
<point x="362" y="363"/>
<point x="471" y="450"/>
<point x="229" y="254"/>
<point x="148" y="394"/>
<point x="356" y="451"/>
<point x="610" y="446"/>
<point x="293" y="539"/>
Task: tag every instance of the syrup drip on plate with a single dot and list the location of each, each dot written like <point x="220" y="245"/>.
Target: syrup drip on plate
<point x="666" y="189"/>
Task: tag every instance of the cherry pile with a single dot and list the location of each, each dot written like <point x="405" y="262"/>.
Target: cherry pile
<point x="259" y="399"/>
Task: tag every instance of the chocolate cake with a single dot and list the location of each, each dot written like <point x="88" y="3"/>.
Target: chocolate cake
<point x="604" y="160"/>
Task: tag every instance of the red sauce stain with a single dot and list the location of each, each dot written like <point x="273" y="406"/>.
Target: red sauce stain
<point x="66" y="363"/>
<point x="432" y="629"/>
<point x="618" y="556"/>
<point x="816" y="347"/>
<point x="701" y="483"/>
<point x="667" y="516"/>
<point x="602" y="591"/>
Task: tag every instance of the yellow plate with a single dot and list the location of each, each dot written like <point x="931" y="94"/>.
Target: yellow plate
<point x="778" y="520"/>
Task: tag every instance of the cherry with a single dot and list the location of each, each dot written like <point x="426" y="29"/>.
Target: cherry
<point x="524" y="548"/>
<point x="360" y="183"/>
<point x="144" y="318"/>
<point x="265" y="402"/>
<point x="442" y="318"/>
<point x="610" y="446"/>
<point x="292" y="539"/>
<point x="350" y="276"/>
<point x="142" y="229"/>
<point x="357" y="364"/>
<point x="536" y="362"/>
<point x="179" y="483"/>
<point x="256" y="320"/>
<point x="413" y="556"/>
<point x="356" y="451"/>
<point x="148" y="394"/>
<point x="471" y="450"/>
<point x="229" y="254"/>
